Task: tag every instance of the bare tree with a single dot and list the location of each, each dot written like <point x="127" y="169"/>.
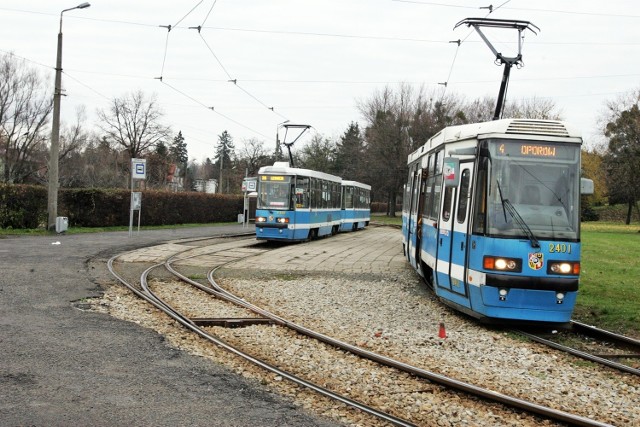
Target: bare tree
<point x="73" y="140"/>
<point x="253" y="154"/>
<point x="388" y="115"/>
<point x="533" y="108"/>
<point x="397" y="122"/>
<point x="25" y="106"/>
<point x="133" y="122"/>
<point x="103" y="166"/>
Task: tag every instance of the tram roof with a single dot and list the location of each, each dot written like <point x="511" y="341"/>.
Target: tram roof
<point x="284" y="169"/>
<point x="553" y="130"/>
<point x="356" y="184"/>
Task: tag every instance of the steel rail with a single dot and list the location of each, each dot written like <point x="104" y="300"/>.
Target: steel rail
<point x="451" y="383"/>
<point x="587" y="356"/>
<point x="189" y="324"/>
<point x="595" y="331"/>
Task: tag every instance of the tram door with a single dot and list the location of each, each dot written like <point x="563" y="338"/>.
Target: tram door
<point x="414" y="227"/>
<point x="444" y="236"/>
<point x="460" y="236"/>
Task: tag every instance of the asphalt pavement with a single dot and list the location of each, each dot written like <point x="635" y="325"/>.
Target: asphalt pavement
<point x="61" y="366"/>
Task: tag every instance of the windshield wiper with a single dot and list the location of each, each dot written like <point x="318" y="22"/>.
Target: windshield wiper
<point x="521" y="223"/>
<point x="507" y="206"/>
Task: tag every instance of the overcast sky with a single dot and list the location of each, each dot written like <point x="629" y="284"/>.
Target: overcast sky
<point x="313" y="60"/>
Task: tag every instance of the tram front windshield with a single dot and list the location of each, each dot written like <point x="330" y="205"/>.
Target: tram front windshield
<point x="274" y="192"/>
<point x="536" y="181"/>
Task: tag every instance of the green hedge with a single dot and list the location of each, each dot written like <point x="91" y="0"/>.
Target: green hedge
<point x="25" y="206"/>
<point x="22" y="206"/>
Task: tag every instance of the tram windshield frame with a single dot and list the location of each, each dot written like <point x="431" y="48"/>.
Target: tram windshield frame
<point x="539" y="179"/>
<point x="274" y="192"/>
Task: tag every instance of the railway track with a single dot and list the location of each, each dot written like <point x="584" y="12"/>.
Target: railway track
<point x="593" y="344"/>
<point x="222" y="253"/>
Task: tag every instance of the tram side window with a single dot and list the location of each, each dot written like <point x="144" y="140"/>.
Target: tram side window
<point x="446" y="206"/>
<point x="323" y="195"/>
<point x="437" y="190"/>
<point x="480" y="206"/>
<point x="363" y="199"/>
<point x="428" y="197"/>
<point x="407" y="192"/>
<point x="302" y="192"/>
<point x="312" y="193"/>
<point x="438" y="162"/>
<point x="335" y="196"/>
<point x="348" y="197"/>
<point x="463" y="201"/>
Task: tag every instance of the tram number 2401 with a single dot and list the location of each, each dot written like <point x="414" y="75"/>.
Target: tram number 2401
<point x="559" y="248"/>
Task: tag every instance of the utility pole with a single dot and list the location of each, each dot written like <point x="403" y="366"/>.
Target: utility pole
<point x="52" y="195"/>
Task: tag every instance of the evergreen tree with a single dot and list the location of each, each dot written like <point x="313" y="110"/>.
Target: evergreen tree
<point x="319" y="154"/>
<point x="178" y="153"/>
<point x="178" y="150"/>
<point x="350" y="154"/>
<point x="622" y="159"/>
<point x="224" y="153"/>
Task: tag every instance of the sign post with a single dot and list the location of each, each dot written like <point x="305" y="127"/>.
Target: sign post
<point x="249" y="185"/>
<point x="138" y="171"/>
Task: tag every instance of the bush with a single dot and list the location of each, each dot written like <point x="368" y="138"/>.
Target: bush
<point x="587" y="213"/>
<point x="25" y="206"/>
<point x="105" y="208"/>
<point x="22" y="206"/>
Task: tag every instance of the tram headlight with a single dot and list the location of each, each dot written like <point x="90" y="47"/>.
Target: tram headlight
<point x="502" y="264"/>
<point x="282" y="220"/>
<point x="564" y="267"/>
<point x="261" y="219"/>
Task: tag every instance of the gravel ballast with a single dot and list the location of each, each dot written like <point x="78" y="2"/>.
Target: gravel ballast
<point x="371" y="298"/>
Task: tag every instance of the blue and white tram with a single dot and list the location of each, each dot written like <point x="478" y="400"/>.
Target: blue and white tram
<point x="491" y="218"/>
<point x="356" y="205"/>
<point x="296" y="204"/>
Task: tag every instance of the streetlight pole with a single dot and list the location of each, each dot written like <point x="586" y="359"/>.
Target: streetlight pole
<point x="52" y="196"/>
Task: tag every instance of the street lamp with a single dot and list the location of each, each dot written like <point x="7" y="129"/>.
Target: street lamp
<point x="52" y="196"/>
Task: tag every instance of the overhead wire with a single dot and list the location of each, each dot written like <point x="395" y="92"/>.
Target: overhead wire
<point x="230" y="78"/>
<point x="166" y="49"/>
<point x="162" y="79"/>
<point x="570" y="12"/>
<point x="211" y="108"/>
<point x="459" y="42"/>
<point x="321" y="34"/>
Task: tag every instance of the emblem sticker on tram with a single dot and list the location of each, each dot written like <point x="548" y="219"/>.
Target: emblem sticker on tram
<point x="536" y="260"/>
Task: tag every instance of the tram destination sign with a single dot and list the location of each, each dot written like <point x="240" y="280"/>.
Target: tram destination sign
<point x="279" y="178"/>
<point x="536" y="150"/>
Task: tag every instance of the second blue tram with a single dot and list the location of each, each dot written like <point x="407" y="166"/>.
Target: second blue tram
<point x="296" y="204"/>
<point x="356" y="205"/>
<point x="491" y="218"/>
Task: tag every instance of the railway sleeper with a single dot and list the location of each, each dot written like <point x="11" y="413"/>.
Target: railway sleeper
<point x="231" y="322"/>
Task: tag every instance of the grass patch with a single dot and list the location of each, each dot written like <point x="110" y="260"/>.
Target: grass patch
<point x="82" y="230"/>
<point x="389" y="220"/>
<point x="610" y="277"/>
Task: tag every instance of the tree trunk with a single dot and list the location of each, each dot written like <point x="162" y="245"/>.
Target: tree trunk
<point x="629" y="211"/>
<point x="391" y="205"/>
